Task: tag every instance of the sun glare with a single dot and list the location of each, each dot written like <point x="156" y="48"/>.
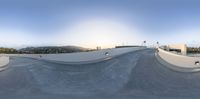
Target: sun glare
<point x="101" y="33"/>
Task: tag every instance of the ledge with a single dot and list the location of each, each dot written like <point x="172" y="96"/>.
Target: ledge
<point x="175" y="67"/>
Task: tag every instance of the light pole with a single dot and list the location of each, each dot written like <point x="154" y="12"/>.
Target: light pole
<point x="143" y="43"/>
<point x="157" y="44"/>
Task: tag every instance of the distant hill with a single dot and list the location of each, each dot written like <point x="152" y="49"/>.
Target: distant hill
<point x="45" y="50"/>
<point x="52" y="49"/>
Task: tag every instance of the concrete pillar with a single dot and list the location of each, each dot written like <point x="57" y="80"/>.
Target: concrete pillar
<point x="184" y="49"/>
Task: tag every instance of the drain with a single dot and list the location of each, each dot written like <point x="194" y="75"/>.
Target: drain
<point x="196" y="62"/>
<point x="106" y="53"/>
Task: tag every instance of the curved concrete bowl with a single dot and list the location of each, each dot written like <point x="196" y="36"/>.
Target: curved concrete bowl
<point x="178" y="62"/>
<point x="4" y="60"/>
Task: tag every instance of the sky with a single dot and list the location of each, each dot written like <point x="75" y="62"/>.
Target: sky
<point x="91" y="23"/>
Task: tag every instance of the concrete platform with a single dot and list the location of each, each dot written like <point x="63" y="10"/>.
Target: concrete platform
<point x="136" y="75"/>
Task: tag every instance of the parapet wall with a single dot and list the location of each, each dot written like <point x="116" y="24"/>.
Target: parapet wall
<point x="180" y="61"/>
<point x="81" y="57"/>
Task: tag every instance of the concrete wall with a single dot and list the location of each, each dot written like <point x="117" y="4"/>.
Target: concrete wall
<point x="182" y="47"/>
<point x="4" y="60"/>
<point x="81" y="57"/>
<point x="179" y="61"/>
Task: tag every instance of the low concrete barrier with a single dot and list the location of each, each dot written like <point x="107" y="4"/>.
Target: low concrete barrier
<point x="4" y="60"/>
<point x="179" y="62"/>
<point x="81" y="57"/>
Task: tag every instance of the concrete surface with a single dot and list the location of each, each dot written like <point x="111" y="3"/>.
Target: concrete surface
<point x="81" y="57"/>
<point x="180" y="61"/>
<point x="136" y="75"/>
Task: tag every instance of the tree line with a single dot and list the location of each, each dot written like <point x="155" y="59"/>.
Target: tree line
<point x="193" y="50"/>
<point x="8" y="50"/>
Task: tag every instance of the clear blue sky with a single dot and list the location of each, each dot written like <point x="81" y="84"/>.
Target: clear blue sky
<point x="91" y="23"/>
